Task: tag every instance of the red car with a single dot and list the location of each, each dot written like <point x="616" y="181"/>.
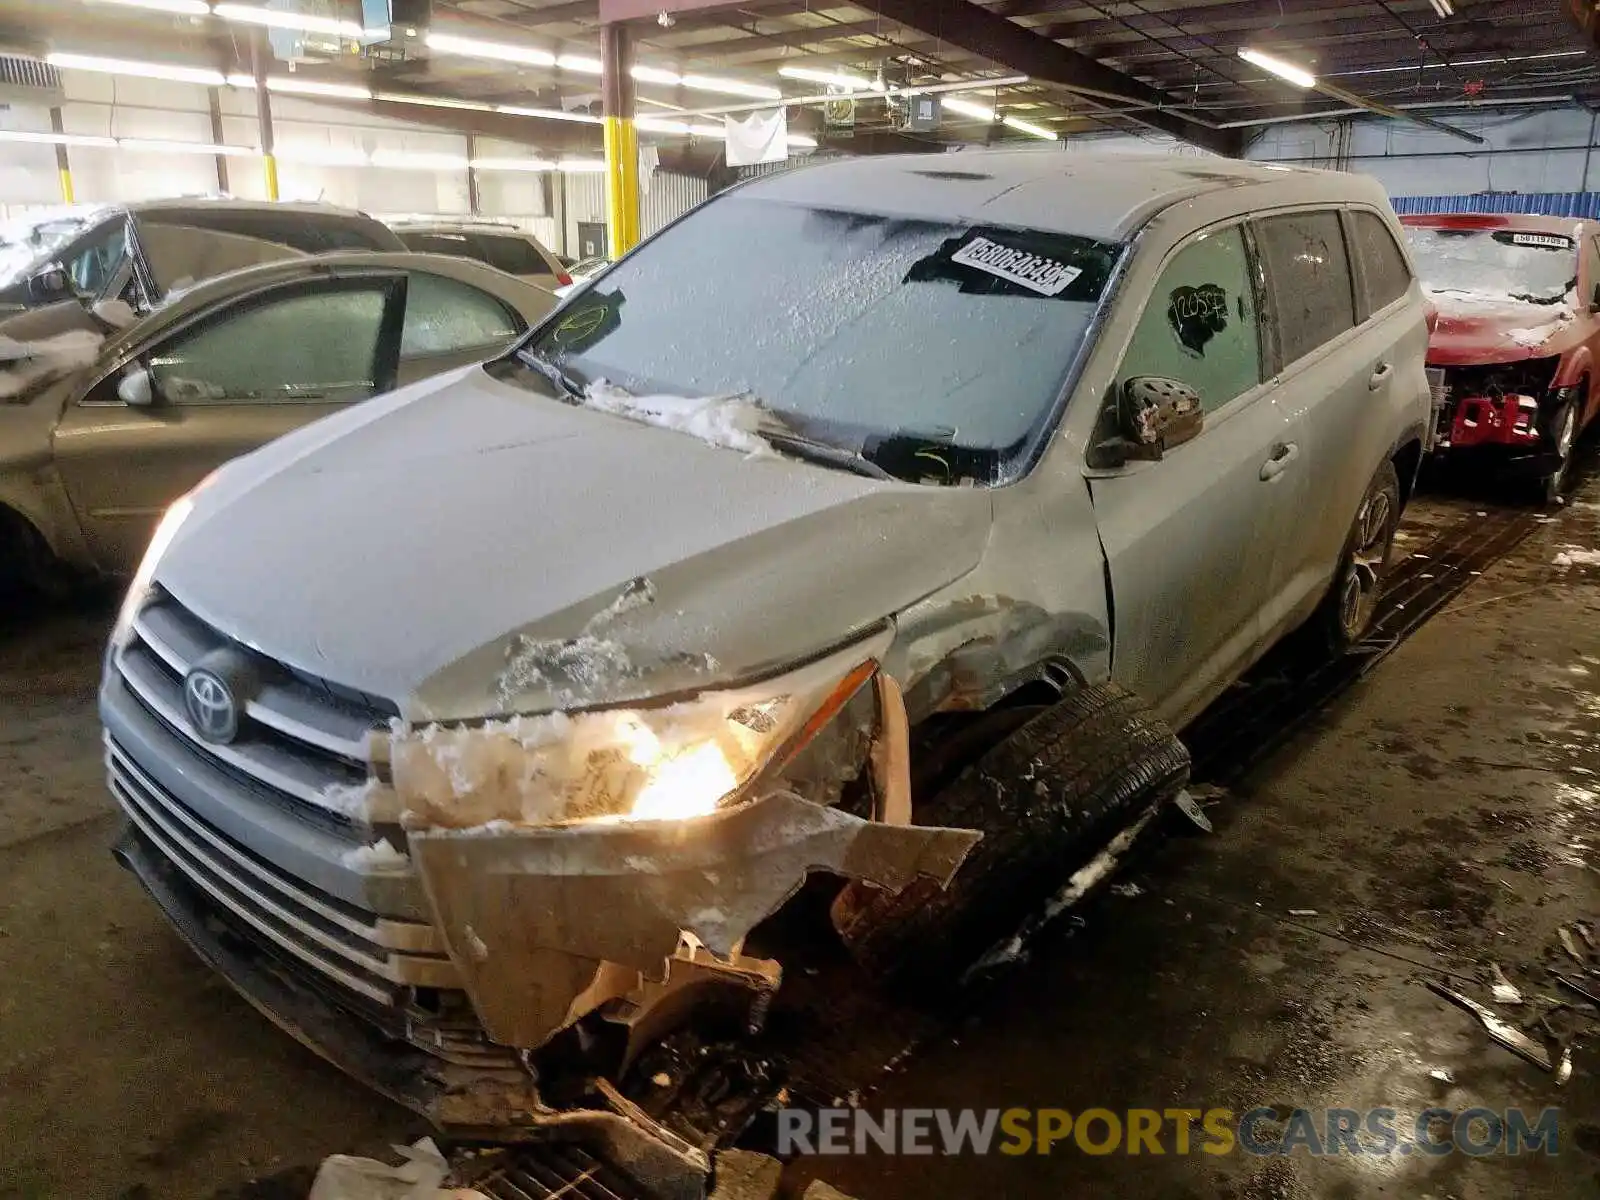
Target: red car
<point x="1515" y="336"/>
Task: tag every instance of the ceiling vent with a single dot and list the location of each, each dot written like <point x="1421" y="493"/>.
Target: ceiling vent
<point x="29" y="81"/>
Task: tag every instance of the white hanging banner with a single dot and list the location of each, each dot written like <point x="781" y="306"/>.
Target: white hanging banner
<point x="762" y="137"/>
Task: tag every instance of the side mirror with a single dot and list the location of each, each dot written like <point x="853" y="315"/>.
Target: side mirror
<point x="49" y="284"/>
<point x="1594" y="301"/>
<point x="135" y="388"/>
<point x="1156" y="414"/>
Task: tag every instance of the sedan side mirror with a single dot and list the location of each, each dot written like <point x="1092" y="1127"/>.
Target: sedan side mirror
<point x="1156" y="414"/>
<point x="135" y="388"/>
<point x="49" y="284"/>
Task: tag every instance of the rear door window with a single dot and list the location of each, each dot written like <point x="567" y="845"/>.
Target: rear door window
<point x="514" y="255"/>
<point x="446" y="315"/>
<point x="1200" y="326"/>
<point x="1385" y="275"/>
<point x="1308" y="271"/>
<point x="456" y="245"/>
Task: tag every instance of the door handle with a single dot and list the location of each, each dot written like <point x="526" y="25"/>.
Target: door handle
<point x="1282" y="455"/>
<point x="1380" y="376"/>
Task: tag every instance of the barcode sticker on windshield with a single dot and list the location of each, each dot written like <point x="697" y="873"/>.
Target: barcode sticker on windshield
<point x="1547" y="241"/>
<point x="1032" y="271"/>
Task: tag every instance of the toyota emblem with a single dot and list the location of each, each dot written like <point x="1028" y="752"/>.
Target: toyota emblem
<point x="210" y="703"/>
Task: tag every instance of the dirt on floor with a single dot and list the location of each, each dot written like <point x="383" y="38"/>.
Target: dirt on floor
<point x="1438" y="817"/>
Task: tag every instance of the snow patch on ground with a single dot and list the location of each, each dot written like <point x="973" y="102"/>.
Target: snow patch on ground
<point x="380" y="856"/>
<point x="1574" y="556"/>
<point x="24" y="366"/>
<point x="728" y="421"/>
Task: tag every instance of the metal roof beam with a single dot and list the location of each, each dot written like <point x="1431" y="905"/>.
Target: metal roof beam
<point x="983" y="33"/>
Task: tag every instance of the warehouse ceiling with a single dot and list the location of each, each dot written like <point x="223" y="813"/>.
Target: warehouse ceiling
<point x="1023" y="69"/>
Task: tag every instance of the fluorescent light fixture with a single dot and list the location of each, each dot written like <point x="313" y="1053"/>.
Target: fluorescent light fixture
<point x="409" y="161"/>
<point x="513" y="164"/>
<point x="714" y="131"/>
<point x="837" y="79"/>
<point x="586" y="166"/>
<point x="293" y="86"/>
<point x="548" y="114"/>
<point x="661" y="125"/>
<point x="180" y="8"/>
<point x="433" y="101"/>
<point x="449" y="43"/>
<point x="733" y="87"/>
<point x="128" y="66"/>
<point x="274" y="18"/>
<point x="579" y="63"/>
<point x="1298" y="76"/>
<point x="1444" y="8"/>
<point x="966" y="108"/>
<point x="646" y="74"/>
<point x="56" y="139"/>
<point x="1038" y="131"/>
<point x="162" y="146"/>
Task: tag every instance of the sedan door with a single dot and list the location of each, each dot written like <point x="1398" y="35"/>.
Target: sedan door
<point x="230" y="379"/>
<point x="1194" y="539"/>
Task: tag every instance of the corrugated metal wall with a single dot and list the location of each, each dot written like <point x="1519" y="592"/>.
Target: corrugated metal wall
<point x="670" y="196"/>
<point x="1545" y="204"/>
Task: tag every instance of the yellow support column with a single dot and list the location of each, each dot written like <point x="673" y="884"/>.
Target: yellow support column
<point x="622" y="140"/>
<point x="269" y="160"/>
<point x="63" y="164"/>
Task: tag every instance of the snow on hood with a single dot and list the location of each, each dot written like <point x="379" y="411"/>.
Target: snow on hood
<point x="451" y="545"/>
<point x="1489" y="327"/>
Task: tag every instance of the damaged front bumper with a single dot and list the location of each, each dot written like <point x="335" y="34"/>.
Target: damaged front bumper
<point x="629" y="926"/>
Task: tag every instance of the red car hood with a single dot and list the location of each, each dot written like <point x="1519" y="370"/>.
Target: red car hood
<point x="1478" y="329"/>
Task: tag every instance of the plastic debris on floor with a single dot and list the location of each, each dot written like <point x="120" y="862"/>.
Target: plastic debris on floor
<point x="419" y="1176"/>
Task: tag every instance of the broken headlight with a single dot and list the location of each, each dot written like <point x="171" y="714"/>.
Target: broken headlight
<point x="666" y="763"/>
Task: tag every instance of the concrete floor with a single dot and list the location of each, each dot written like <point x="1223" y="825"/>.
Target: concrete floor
<point x="1440" y="815"/>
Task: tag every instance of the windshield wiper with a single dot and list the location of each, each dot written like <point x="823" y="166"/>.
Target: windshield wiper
<point x="824" y="453"/>
<point x="553" y="371"/>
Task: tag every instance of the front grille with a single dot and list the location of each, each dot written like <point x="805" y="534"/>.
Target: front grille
<point x="299" y="741"/>
<point x="372" y="956"/>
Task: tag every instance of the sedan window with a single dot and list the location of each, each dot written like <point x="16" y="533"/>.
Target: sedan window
<point x="1200" y="326"/>
<point x="91" y="263"/>
<point x="305" y="347"/>
<point x="445" y="315"/>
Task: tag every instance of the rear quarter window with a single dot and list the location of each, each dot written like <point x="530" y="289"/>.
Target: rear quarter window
<point x="513" y="255"/>
<point x="1385" y="274"/>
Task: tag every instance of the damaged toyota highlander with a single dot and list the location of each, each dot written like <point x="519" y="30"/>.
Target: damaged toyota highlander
<point x="862" y="538"/>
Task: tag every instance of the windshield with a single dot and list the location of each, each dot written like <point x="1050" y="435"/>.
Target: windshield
<point x="1500" y="263"/>
<point x="32" y="241"/>
<point x="936" y="350"/>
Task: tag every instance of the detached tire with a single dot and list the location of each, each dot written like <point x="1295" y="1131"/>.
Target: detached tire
<point x="1047" y="798"/>
<point x="1346" y="613"/>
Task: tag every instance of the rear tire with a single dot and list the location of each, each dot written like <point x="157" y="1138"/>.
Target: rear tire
<point x="1346" y="614"/>
<point x="1047" y="798"/>
<point x="29" y="569"/>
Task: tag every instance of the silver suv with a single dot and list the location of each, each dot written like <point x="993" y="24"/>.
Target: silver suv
<point x="879" y="520"/>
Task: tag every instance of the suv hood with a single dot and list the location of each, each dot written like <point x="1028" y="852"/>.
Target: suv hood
<point x="417" y="546"/>
<point x="1481" y="329"/>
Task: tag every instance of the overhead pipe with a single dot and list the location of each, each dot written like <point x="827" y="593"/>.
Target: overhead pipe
<point x="1333" y="91"/>
<point x="1332" y="113"/>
